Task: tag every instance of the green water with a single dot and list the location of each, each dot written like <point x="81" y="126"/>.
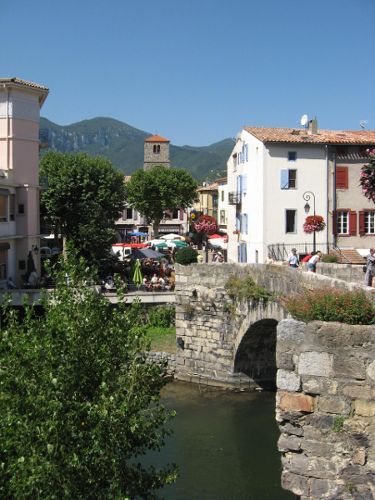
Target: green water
<point x="224" y="444"/>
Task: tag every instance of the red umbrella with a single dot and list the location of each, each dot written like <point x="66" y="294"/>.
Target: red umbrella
<point x="215" y="236"/>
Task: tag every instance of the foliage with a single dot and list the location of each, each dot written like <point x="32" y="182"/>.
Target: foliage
<point x="314" y="223"/>
<point x="162" y="339"/>
<point x="163" y="316"/>
<point x="338" y="424"/>
<point x="329" y="258"/>
<point x="186" y="256"/>
<point x="367" y="177"/>
<point x="205" y="224"/>
<point x="82" y="199"/>
<point x="152" y="192"/>
<point x="79" y="400"/>
<point x="245" y="289"/>
<point x="342" y="306"/>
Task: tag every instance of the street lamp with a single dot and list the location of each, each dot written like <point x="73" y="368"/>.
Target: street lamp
<point x="306" y="196"/>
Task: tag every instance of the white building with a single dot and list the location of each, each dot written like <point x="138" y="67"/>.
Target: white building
<point x="269" y="172"/>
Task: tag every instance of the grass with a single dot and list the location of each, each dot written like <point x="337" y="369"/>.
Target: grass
<point x="163" y="339"/>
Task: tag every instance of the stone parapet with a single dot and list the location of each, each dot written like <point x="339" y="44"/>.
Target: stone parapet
<point x="325" y="409"/>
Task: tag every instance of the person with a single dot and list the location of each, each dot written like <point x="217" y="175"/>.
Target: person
<point x="370" y="267"/>
<point x="293" y="259"/>
<point x="146" y="283"/>
<point x="10" y="284"/>
<point x="32" y="280"/>
<point x="161" y="283"/>
<point x="311" y="265"/>
<point x="307" y="257"/>
<point x="154" y="281"/>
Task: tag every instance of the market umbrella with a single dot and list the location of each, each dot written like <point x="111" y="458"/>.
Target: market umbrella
<point x="161" y="246"/>
<point x="171" y="236"/>
<point x="137" y="273"/>
<point x="146" y="253"/>
<point x="177" y="244"/>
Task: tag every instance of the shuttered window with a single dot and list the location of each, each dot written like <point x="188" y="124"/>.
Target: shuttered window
<point x="366" y="222"/>
<point x="342" y="181"/>
<point x="346" y="223"/>
<point x="288" y="179"/>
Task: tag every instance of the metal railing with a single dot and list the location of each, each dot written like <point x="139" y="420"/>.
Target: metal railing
<point x="281" y="251"/>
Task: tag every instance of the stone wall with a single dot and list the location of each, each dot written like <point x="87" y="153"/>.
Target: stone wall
<point x="347" y="272"/>
<point x="326" y="409"/>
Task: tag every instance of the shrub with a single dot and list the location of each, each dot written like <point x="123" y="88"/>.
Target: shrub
<point x="80" y="403"/>
<point x="353" y="308"/>
<point x="330" y="258"/>
<point x="186" y="256"/>
<point x="245" y="289"/>
<point x="161" y="317"/>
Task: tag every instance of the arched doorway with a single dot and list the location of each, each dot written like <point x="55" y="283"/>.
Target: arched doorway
<point x="256" y="354"/>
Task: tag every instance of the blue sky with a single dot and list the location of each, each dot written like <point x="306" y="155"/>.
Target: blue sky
<point x="196" y="71"/>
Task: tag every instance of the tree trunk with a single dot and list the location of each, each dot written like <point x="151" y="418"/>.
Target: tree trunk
<point x="155" y="228"/>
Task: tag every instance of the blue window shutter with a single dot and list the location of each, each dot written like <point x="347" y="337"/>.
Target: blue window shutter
<point x="244" y="184"/>
<point x="238" y="223"/>
<point x="238" y="184"/>
<point x="247" y="152"/>
<point x="245" y="219"/>
<point x="284" y="179"/>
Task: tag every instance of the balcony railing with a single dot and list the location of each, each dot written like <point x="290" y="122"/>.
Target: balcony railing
<point x="234" y="198"/>
<point x="281" y="251"/>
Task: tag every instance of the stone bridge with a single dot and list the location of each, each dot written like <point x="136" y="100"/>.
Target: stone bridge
<point x="221" y="342"/>
<point x="325" y="372"/>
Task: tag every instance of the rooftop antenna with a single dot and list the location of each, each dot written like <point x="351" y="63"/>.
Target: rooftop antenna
<point x="304" y="120"/>
<point x="363" y="124"/>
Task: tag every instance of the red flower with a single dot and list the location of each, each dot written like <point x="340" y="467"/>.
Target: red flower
<point x="314" y="223"/>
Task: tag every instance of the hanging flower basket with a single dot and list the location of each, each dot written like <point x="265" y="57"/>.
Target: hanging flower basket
<point x="313" y="224"/>
<point x="367" y="177"/>
<point x="206" y="224"/>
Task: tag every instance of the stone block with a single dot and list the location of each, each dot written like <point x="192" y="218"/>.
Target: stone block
<point x="288" y="443"/>
<point x="371" y="371"/>
<point x="315" y="363"/>
<point x="359" y="456"/>
<point x="288" y="381"/>
<point x="359" y="392"/>
<point x="364" y="408"/>
<point x="323" y="488"/>
<point x="319" y="386"/>
<point x="336" y="405"/>
<point x="290" y="331"/>
<point x="284" y="360"/>
<point x="349" y="367"/>
<point x="299" y="485"/>
<point x="288" y="428"/>
<point x="288" y="401"/>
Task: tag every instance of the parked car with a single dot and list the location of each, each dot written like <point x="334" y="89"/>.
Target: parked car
<point x="47" y="252"/>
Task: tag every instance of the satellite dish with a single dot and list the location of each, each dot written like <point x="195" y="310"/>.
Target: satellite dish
<point x="304" y="120"/>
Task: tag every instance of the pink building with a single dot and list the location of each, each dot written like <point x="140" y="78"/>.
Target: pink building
<point x="20" y="103"/>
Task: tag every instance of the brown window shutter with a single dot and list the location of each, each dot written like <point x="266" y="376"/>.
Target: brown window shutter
<point x="181" y="214"/>
<point x="352" y="223"/>
<point x="334" y="222"/>
<point x="342" y="178"/>
<point x="361" y="222"/>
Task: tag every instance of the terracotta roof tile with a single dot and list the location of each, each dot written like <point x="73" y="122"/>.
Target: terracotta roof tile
<point x="360" y="137"/>
<point x="156" y="138"/>
<point x="25" y="83"/>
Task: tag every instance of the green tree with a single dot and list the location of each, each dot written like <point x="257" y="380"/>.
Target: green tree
<point x="82" y="199"/>
<point x="152" y="192"/>
<point x="79" y="400"/>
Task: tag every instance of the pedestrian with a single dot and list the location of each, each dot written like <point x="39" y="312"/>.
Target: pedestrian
<point x="370" y="267"/>
<point x="311" y="265"/>
<point x="293" y="259"/>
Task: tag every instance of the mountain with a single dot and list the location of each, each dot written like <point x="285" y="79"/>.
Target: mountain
<point x="123" y="146"/>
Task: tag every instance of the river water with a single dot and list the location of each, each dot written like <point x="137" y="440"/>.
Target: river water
<point x="225" y="444"/>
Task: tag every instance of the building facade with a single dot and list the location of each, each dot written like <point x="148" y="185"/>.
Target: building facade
<point x="20" y="103"/>
<point x="156" y="152"/>
<point x="274" y="175"/>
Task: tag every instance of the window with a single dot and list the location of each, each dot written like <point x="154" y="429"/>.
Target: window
<point x="342" y="181"/>
<point x="369" y="222"/>
<point x="292" y="156"/>
<point x="129" y="213"/>
<point x="342" y="222"/>
<point x="175" y="214"/>
<point x="244" y="224"/>
<point x="3" y="208"/>
<point x="3" y="264"/>
<point x="366" y="222"/>
<point x="21" y="209"/>
<point x="222" y="196"/>
<point x="290" y="221"/>
<point x="156" y="148"/>
<point x="234" y="159"/>
<point x="22" y="265"/>
<point x="222" y="217"/>
<point x="12" y="204"/>
<point x="288" y="179"/>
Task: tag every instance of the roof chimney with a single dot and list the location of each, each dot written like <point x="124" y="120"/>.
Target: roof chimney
<point x="313" y="127"/>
